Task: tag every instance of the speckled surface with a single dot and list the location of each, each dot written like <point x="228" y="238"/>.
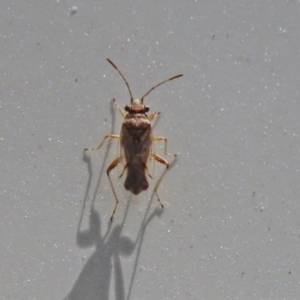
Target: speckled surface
<point x="231" y="226"/>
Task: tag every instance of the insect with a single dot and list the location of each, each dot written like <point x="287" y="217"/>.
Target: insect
<point x="136" y="141"/>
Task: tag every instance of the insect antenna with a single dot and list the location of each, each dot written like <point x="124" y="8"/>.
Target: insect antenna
<point x="174" y="77"/>
<point x="131" y="97"/>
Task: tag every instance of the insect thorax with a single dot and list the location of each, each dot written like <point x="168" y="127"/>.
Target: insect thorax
<point x="137" y="124"/>
<point x="136" y="136"/>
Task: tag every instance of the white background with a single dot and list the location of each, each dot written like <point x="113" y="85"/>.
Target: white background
<point x="231" y="225"/>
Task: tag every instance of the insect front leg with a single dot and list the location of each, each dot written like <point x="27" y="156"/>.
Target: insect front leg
<point x="111" y="167"/>
<point x="122" y="112"/>
<point x="161" y="138"/>
<point x="110" y="136"/>
<point x="164" y="162"/>
<point x="153" y="116"/>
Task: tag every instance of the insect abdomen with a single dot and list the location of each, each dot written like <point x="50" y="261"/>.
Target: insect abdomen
<point x="136" y="180"/>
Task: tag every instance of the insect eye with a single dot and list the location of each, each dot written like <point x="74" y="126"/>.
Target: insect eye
<point x="127" y="108"/>
<point x="146" y="108"/>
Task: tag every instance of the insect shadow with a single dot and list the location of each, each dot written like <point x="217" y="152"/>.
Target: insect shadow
<point x="94" y="281"/>
<point x="140" y="237"/>
<point x="136" y="144"/>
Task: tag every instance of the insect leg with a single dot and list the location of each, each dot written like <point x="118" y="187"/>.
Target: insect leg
<point x="110" y="136"/>
<point x="111" y="167"/>
<point x="153" y="116"/>
<point x="124" y="169"/>
<point x="148" y="173"/>
<point x="164" y="162"/>
<point x="159" y="139"/>
<point x="122" y="112"/>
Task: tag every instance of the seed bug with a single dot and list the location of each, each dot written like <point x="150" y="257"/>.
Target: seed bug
<point x="136" y="144"/>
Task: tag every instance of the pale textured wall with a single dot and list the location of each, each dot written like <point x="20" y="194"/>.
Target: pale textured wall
<point x="230" y="229"/>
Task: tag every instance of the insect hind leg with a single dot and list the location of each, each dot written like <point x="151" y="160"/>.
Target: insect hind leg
<point x="166" y="164"/>
<point x="110" y="168"/>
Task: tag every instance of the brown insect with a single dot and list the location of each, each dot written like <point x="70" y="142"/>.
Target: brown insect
<point x="136" y="140"/>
